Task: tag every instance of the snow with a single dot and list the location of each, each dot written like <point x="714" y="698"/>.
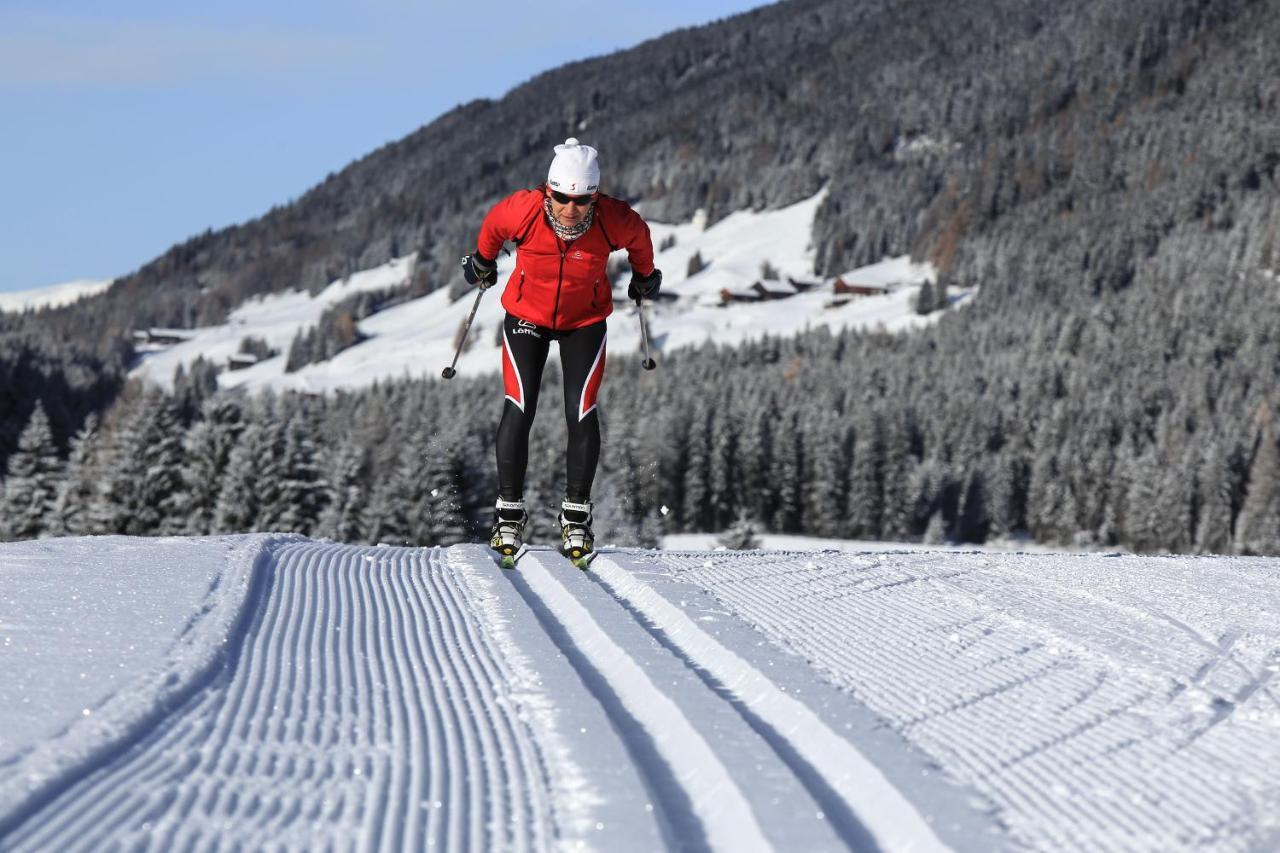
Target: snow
<point x="787" y="542"/>
<point x="275" y="319"/>
<point x="53" y="296"/>
<point x="99" y="636"/>
<point x="277" y="691"/>
<point x="417" y="338"/>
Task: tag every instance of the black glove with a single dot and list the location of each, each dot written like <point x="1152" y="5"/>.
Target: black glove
<point x="645" y="286"/>
<point x="480" y="271"/>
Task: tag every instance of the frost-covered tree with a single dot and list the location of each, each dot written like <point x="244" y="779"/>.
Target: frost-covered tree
<point x="1213" y="530"/>
<point x="866" y="484"/>
<point x="72" y="513"/>
<point x="1258" y="527"/>
<point x="208" y="447"/>
<point x="826" y="455"/>
<point x="341" y="518"/>
<point x="31" y="484"/>
<point x="300" y="488"/>
<point x="239" y="495"/>
<point x="786" y="476"/>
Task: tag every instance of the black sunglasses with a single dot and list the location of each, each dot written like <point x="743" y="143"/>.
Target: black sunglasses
<point x="580" y="200"/>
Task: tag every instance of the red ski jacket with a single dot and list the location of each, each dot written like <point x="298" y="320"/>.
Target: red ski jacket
<point x="556" y="284"/>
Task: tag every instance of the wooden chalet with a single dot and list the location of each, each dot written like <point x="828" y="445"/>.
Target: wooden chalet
<point x="164" y="337"/>
<point x="241" y="360"/>
<point x="840" y="287"/>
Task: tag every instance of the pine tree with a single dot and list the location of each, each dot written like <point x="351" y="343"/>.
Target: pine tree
<point x="755" y="458"/>
<point x="973" y="519"/>
<point x="866" y="484"/>
<point x="786" y="474"/>
<point x="723" y="491"/>
<point x="208" y="445"/>
<point x="1142" y="523"/>
<point x="697" y="472"/>
<point x="899" y="471"/>
<point x="31" y="487"/>
<point x="341" y="518"/>
<point x="1258" y="527"/>
<point x="238" y="497"/>
<point x="71" y="514"/>
<point x="1213" y="530"/>
<point x="1004" y="495"/>
<point x="926" y="303"/>
<point x="826" y="483"/>
<point x="302" y="488"/>
<point x="157" y="507"/>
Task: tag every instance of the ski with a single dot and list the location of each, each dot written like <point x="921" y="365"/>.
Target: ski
<point x="508" y="560"/>
<point x="579" y="559"/>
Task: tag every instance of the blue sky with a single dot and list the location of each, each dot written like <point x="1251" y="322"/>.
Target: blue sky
<point x="129" y="126"/>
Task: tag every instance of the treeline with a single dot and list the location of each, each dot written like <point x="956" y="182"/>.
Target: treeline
<point x="1144" y="425"/>
<point x="73" y="381"/>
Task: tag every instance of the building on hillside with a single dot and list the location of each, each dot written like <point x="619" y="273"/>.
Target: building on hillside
<point x="840" y="287"/>
<point x="162" y="337"/>
<point x="727" y="296"/>
<point x="241" y="360"/>
<point x="758" y="292"/>
<point x="767" y="294"/>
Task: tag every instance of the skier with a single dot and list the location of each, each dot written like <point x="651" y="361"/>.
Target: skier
<point x="563" y="231"/>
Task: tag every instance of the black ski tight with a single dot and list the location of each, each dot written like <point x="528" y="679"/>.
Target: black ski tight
<point x="524" y="354"/>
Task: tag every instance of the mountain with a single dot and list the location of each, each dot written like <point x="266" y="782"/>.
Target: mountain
<point x="961" y="133"/>
<point x="746" y="277"/>
<point x="276" y="689"/>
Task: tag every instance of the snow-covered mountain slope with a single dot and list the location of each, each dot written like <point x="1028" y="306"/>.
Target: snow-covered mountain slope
<point x="417" y="338"/>
<point x="334" y="696"/>
<point x="52" y="296"/>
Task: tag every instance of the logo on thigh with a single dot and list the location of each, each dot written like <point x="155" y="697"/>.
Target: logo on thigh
<point x="524" y="327"/>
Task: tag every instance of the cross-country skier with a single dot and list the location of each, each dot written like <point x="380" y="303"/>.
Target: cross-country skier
<point x="564" y="231"/>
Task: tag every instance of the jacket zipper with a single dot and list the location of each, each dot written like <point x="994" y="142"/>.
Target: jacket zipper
<point x="559" y="281"/>
<point x="520" y="289"/>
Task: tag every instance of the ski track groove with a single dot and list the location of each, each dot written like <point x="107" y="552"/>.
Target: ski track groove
<point x="364" y="709"/>
<point x="951" y="648"/>
<point x="664" y="742"/>
<point x="867" y="810"/>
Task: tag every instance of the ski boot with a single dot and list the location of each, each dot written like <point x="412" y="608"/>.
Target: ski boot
<point x="508" y="531"/>
<point x="576" y="540"/>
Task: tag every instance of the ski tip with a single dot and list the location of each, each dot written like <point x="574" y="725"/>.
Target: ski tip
<point x="581" y="562"/>
<point x="507" y="562"/>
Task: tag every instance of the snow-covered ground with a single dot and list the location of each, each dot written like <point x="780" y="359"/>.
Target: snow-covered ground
<point x="52" y="296"/>
<point x="264" y="691"/>
<point x="788" y="542"/>
<point x="417" y="338"/>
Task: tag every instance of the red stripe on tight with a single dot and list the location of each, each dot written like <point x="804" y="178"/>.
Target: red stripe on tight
<point x="511" y="375"/>
<point x="592" y="388"/>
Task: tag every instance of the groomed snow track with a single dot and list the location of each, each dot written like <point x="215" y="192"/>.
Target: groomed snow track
<point x="353" y="698"/>
<point x="359" y="713"/>
<point x="409" y="699"/>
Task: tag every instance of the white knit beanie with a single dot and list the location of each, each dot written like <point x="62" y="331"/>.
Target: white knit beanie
<point x="575" y="169"/>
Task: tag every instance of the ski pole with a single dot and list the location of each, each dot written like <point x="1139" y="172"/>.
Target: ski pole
<point x="648" y="363"/>
<point x="449" y="372"/>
